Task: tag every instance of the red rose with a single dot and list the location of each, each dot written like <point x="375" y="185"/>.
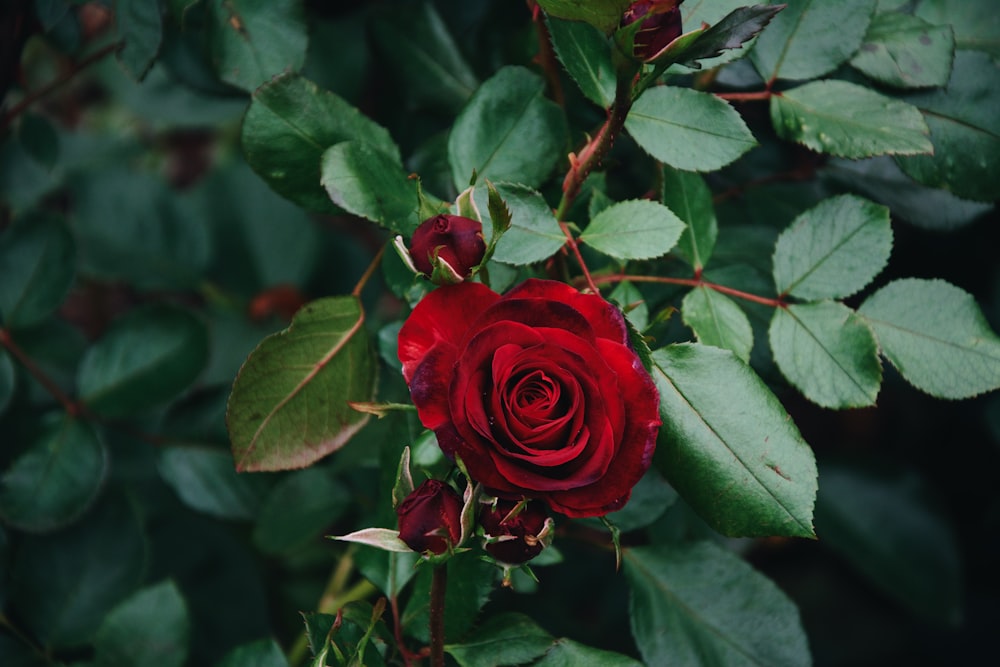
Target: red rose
<point x="430" y="518"/>
<point x="521" y="536"/>
<point x="457" y="241"/>
<point x="661" y="24"/>
<point x="538" y="392"/>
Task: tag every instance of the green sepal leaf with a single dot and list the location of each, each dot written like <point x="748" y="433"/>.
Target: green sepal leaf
<point x="700" y="604"/>
<point x="150" y="627"/>
<point x="56" y="479"/>
<point x="936" y="336"/>
<point x="508" y="131"/>
<point x="833" y="250"/>
<point x="828" y="353"/>
<point x="745" y="477"/>
<point x="140" y="28"/>
<point x="504" y="639"/>
<point x="733" y="31"/>
<point x="605" y="15"/>
<point x="638" y="229"/>
<point x="586" y="55"/>
<point x="800" y="44"/>
<point x="534" y="233"/>
<point x="37" y="262"/>
<point x="287" y="128"/>
<point x="686" y="194"/>
<point x="404" y="479"/>
<point x="905" y="51"/>
<point x="364" y="181"/>
<point x="688" y="129"/>
<point x="289" y="404"/>
<point x="147" y="357"/>
<point x="848" y="120"/>
<point x="253" y="40"/>
<point x="717" y="321"/>
<point x="385" y="539"/>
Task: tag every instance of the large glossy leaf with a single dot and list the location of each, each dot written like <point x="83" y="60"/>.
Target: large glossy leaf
<point x="828" y="353"/>
<point x="686" y="194"/>
<point x="965" y="133"/>
<point x="848" y="120"/>
<point x="534" y="233"/>
<point x="148" y="356"/>
<point x="728" y="446"/>
<point x="150" y="627"/>
<point x="298" y="509"/>
<point x="905" y="51"/>
<point x="717" y="321"/>
<point x="936" y="336"/>
<point x="886" y="528"/>
<point x="976" y="24"/>
<point x="37" y="262"/>
<point x="509" y="131"/>
<point x="637" y="229"/>
<point x="367" y="182"/>
<point x="288" y="127"/>
<point x="800" y="44"/>
<point x="833" y="250"/>
<point x="253" y="40"/>
<point x="289" y="404"/>
<point x="586" y="55"/>
<point x="699" y="605"/>
<point x="688" y="129"/>
<point x="56" y="479"/>
<point x="603" y="14"/>
<point x="140" y="27"/>
<point x="504" y="639"/>
<point x="205" y="480"/>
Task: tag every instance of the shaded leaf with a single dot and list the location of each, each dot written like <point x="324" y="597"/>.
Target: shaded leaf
<point x="568" y="653"/>
<point x="976" y="24"/>
<point x="936" y="336"/>
<point x="150" y="627"/>
<point x="717" y="321"/>
<point x="688" y="129"/>
<point x="699" y="604"/>
<point x="602" y="14"/>
<point x="686" y="194"/>
<point x="905" y="51"/>
<point x="728" y="446"/>
<point x="733" y="31"/>
<point x="470" y="582"/>
<point x="504" y="639"/>
<point x="637" y="229"/>
<point x="586" y="55"/>
<point x="253" y="40"/>
<point x="7" y="379"/>
<point x="37" y="262"/>
<point x="140" y="27"/>
<point x="260" y="653"/>
<point x="298" y="509"/>
<point x="205" y="480"/>
<point x="848" y="120"/>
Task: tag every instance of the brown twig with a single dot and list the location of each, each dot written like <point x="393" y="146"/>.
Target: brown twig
<point x="72" y="407"/>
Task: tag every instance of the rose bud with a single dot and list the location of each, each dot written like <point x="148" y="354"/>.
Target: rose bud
<point x="430" y="518"/>
<point x="512" y="537"/>
<point x="457" y="242"/>
<point x="661" y="24"/>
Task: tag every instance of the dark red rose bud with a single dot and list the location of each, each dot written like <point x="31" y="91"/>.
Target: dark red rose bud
<point x="661" y="24"/>
<point x="515" y="539"/>
<point x="457" y="241"/>
<point x="430" y="518"/>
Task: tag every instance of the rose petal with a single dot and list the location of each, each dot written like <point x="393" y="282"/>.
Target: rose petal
<point x="606" y="320"/>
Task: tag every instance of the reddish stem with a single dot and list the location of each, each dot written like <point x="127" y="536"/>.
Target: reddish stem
<point x="746" y="97"/>
<point x="71" y="406"/>
<point x="695" y="282"/>
<point x="575" y="248"/>
<point x="546" y="57"/>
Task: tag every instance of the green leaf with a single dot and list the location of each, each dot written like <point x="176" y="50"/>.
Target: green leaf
<point x="509" y="131"/>
<point x="289" y="125"/>
<point x="734" y="30"/>
<point x="586" y="55"/>
<point x="638" y="229"/>
<point x="699" y="604"/>
<point x="205" y="480"/>
<point x="415" y="41"/>
<point x="964" y="131"/>
<point x="650" y="498"/>
<point x="147" y="357"/>
<point x="568" y="653"/>
<point x="298" y="509"/>
<point x="688" y="129"/>
<point x="833" y="250"/>
<point x="534" y="234"/>
<point x="260" y="653"/>
<point x="140" y="27"/>
<point x="602" y="14"/>
<point x="56" y="479"/>
<point x="7" y="380"/>
<point x="728" y="446"/>
<point x="37" y="262"/>
<point x="289" y="404"/>
<point x="62" y="585"/>
<point x="686" y="194"/>
<point x="40" y="139"/>
<point x="905" y="51"/>
<point x="828" y="353"/>
<point x="801" y="44"/>
<point x="364" y="181"/>
<point x="884" y="527"/>
<point x="848" y="120"/>
<point x="717" y="321"/>
<point x="470" y="582"/>
<point x="150" y="627"/>
<point x="633" y="304"/>
<point x="936" y="336"/>
<point x="976" y="24"/>
<point x="252" y="40"/>
<point x="504" y="639"/>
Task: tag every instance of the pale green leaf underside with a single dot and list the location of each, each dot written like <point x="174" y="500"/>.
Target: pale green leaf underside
<point x="936" y="336"/>
<point x="848" y="120"/>
<point x="289" y="404"/>
<point x="717" y="321"/>
<point x="728" y="446"/>
<point x="638" y="229"/>
<point x="828" y="353"/>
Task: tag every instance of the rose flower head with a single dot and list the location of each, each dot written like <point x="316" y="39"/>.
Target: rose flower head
<point x="515" y="537"/>
<point x="538" y="392"/>
<point x="430" y="518"/>
<point x="452" y="242"/>
<point x="661" y="24"/>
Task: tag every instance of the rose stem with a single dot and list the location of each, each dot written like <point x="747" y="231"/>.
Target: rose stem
<point x="6" y="340"/>
<point x="439" y="584"/>
<point x="696" y="282"/>
<point x="356" y="292"/>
